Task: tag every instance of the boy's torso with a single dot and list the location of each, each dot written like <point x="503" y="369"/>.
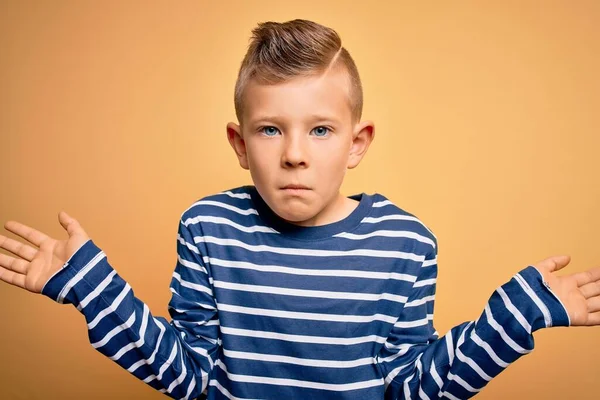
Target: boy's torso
<point x="305" y="310"/>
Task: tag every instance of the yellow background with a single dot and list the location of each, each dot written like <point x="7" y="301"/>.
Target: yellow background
<point x="487" y="128"/>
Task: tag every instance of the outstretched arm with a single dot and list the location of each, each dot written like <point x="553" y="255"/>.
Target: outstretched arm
<point x="418" y="364"/>
<point x="173" y="357"/>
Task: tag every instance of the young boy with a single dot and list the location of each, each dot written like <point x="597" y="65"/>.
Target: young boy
<point x="287" y="289"/>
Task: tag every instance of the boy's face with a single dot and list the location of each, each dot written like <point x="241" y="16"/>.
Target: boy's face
<point x="297" y="138"/>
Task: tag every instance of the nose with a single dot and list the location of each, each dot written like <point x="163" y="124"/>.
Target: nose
<point x="294" y="152"/>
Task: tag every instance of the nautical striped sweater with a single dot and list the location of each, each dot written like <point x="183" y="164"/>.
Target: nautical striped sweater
<point x="263" y="309"/>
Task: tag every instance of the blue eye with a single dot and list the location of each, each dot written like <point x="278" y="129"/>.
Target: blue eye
<point x="321" y="131"/>
<point x="270" y="130"/>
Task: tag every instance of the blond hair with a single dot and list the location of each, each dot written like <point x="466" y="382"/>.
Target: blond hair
<point x="279" y="52"/>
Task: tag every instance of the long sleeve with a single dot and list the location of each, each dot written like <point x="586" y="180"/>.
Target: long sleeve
<point x="173" y="357"/>
<point x="417" y="364"/>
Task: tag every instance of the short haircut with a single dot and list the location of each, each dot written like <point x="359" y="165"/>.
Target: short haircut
<point x="279" y="52"/>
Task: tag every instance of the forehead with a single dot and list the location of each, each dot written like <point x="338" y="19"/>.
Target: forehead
<point x="325" y="95"/>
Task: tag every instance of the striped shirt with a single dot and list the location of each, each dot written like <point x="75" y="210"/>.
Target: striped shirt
<point x="263" y="309"/>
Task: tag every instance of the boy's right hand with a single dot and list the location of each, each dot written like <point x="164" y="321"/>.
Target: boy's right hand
<point x="35" y="266"/>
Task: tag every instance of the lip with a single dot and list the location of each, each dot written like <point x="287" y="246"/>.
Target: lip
<point x="295" y="187"/>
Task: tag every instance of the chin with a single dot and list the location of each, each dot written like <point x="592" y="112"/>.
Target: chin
<point x="295" y="216"/>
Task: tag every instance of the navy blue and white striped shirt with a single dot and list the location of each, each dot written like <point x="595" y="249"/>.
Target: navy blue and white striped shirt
<point x="263" y="309"/>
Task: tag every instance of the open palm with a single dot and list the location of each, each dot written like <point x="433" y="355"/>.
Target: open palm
<point x="579" y="292"/>
<point x="34" y="266"/>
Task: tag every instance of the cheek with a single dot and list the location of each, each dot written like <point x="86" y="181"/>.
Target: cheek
<point x="260" y="160"/>
<point x="334" y="161"/>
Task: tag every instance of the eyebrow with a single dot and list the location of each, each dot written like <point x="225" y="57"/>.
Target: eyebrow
<point x="311" y="118"/>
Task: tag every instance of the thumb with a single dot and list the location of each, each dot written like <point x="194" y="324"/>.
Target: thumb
<point x="554" y="263"/>
<point x="70" y="224"/>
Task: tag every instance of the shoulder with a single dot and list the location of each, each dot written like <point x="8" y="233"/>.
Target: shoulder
<point x="385" y="215"/>
<point x="233" y="203"/>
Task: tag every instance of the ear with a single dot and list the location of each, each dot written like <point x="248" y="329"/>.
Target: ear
<point x="363" y="135"/>
<point x="234" y="135"/>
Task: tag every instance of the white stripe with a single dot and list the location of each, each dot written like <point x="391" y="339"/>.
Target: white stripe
<point x="461" y="338"/>
<point x="449" y="395"/>
<point x="105" y="282"/>
<point x="435" y="375"/>
<point x="236" y="195"/>
<point x="303" y="338"/>
<point x="392" y="217"/>
<point x="310" y="272"/>
<point x="538" y="302"/>
<point x="111" y="308"/>
<point x="191" y="265"/>
<point x="424" y="282"/>
<point x="502" y="332"/>
<point x="429" y="263"/>
<point x="164" y="366"/>
<point x="304" y="315"/>
<point x="396" y="217"/>
<point x="471" y="363"/>
<point x="192" y="385"/>
<point x="514" y="311"/>
<point x="393" y="373"/>
<point x="248" y="211"/>
<point x="382" y="203"/>
<point x="181" y="378"/>
<point x="450" y="347"/>
<point x="138" y="343"/>
<point x="406" y="389"/>
<point x="308" y="362"/>
<point x="203" y="352"/>
<point x="79" y="276"/>
<point x="309" y="293"/>
<point x="484" y="345"/>
<point x="298" y="383"/>
<point x="225" y="392"/>
<point x="201" y="305"/>
<point x="411" y="324"/>
<point x="180" y="325"/>
<point x="307" y="251"/>
<point x="402" y="350"/>
<point x="422" y="393"/>
<point x="225" y="221"/>
<point x="191" y="285"/>
<point x="188" y="245"/>
<point x="420" y="301"/>
<point x="149" y="361"/>
<point x="462" y="382"/>
<point x="387" y="233"/>
<point x="126" y="325"/>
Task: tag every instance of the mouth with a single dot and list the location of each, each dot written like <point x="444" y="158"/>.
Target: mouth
<point x="295" y="187"/>
<point x="295" y="190"/>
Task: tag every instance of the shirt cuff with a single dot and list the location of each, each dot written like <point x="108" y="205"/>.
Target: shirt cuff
<point x="554" y="311"/>
<point x="59" y="285"/>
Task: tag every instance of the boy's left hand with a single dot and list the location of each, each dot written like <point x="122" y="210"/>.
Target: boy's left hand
<point x="579" y="292"/>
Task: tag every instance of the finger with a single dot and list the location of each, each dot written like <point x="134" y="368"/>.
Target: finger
<point x="591" y="275"/>
<point x="591" y="289"/>
<point x="70" y="224"/>
<point x="31" y="235"/>
<point x="13" y="278"/>
<point x="20" y="249"/>
<point x="13" y="264"/>
<point x="593" y="304"/>
<point x="554" y="263"/>
<point x="593" y="319"/>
